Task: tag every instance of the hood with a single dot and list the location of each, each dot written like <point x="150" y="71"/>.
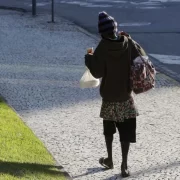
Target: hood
<point x="115" y="48"/>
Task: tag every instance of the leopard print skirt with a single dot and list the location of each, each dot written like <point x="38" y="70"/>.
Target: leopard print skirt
<point x="119" y="111"/>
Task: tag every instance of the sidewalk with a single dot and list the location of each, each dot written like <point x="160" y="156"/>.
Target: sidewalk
<point x="41" y="65"/>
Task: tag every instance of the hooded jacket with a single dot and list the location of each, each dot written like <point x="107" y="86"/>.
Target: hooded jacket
<point x="111" y="62"/>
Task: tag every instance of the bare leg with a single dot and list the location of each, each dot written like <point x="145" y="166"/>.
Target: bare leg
<point x="125" y="150"/>
<point x="108" y="162"/>
<point x="109" y="141"/>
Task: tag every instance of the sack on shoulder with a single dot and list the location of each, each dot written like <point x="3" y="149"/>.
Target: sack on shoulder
<point x="142" y="73"/>
<point x="88" y="81"/>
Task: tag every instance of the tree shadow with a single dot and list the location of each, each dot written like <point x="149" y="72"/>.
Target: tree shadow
<point x="18" y="169"/>
<point x="43" y="89"/>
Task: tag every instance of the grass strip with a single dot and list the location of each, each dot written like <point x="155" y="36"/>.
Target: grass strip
<point x="22" y="155"/>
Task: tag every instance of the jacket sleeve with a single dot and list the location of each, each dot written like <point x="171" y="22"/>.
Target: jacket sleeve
<point x="95" y="63"/>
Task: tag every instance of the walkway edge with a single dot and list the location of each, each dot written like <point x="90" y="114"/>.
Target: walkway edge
<point x="164" y="70"/>
<point x="84" y="31"/>
<point x="13" y="9"/>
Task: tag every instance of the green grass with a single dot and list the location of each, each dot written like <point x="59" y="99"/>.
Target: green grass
<point x="22" y="155"/>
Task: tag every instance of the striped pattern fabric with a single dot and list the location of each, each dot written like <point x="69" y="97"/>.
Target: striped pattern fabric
<point x="106" y="23"/>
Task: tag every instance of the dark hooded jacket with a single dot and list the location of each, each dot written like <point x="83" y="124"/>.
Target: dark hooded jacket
<point x="111" y="62"/>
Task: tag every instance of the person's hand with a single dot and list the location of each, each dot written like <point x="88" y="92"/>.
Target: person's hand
<point x="90" y="50"/>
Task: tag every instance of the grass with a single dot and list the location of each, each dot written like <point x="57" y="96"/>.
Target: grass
<point x="22" y="155"/>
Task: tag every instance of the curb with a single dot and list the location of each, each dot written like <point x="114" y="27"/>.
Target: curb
<point x="65" y="173"/>
<point x="93" y="36"/>
<point x="164" y="70"/>
<point x="13" y="9"/>
<point x="81" y="29"/>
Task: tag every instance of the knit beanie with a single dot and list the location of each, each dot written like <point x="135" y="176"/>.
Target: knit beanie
<point x="106" y="24"/>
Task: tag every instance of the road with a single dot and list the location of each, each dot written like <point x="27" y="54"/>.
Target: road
<point x="154" y="24"/>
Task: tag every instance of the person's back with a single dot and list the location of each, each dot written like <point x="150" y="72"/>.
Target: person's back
<point x="112" y="59"/>
<point x="114" y="53"/>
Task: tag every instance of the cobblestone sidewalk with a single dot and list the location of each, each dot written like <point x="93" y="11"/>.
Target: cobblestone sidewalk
<point x="41" y="65"/>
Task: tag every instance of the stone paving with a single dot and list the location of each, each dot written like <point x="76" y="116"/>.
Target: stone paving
<point x="41" y="65"/>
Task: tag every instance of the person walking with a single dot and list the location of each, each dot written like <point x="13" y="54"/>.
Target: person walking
<point x="111" y="62"/>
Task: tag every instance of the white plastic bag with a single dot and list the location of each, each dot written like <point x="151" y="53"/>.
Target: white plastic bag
<point x="88" y="81"/>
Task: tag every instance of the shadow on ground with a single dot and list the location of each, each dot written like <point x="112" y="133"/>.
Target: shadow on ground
<point x="18" y="169"/>
<point x="147" y="171"/>
<point x="54" y="88"/>
<point x="135" y="174"/>
<point x="91" y="171"/>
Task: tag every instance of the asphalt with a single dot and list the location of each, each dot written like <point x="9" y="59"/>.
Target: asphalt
<point x="41" y="65"/>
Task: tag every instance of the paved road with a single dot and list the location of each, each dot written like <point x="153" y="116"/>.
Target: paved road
<point x="40" y="71"/>
<point x="154" y="24"/>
